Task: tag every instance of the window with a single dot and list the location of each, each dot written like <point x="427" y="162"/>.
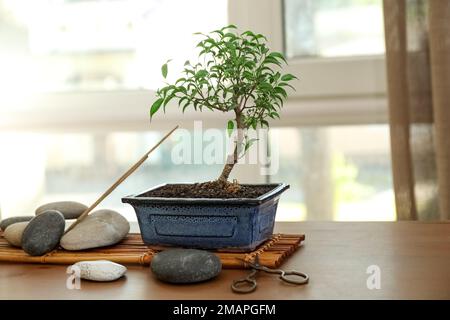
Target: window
<point x="335" y="173"/>
<point x="98" y="45"/>
<point x="92" y="79"/>
<point x="333" y="28"/>
<point x="323" y="77"/>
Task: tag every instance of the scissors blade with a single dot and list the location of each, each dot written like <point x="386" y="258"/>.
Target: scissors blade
<point x="255" y="264"/>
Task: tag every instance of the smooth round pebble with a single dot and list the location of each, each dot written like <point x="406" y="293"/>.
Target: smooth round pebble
<point x="9" y="221"/>
<point x="101" y="228"/>
<point x="100" y="270"/>
<point x="13" y="234"/>
<point x="185" y="265"/>
<point x="43" y="233"/>
<point x="69" y="209"/>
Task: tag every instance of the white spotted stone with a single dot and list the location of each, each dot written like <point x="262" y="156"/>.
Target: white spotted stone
<point x="100" y="270"/>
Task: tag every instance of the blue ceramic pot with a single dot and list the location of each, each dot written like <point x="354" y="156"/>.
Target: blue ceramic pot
<point x="234" y="224"/>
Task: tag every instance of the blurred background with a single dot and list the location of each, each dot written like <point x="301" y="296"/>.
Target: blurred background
<point x="77" y="78"/>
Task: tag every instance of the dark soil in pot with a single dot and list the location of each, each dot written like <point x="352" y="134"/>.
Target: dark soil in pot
<point x="213" y="189"/>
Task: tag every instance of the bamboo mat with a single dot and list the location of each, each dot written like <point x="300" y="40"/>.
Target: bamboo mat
<point x="132" y="250"/>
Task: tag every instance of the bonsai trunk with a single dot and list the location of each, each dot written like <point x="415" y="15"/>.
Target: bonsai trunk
<point x="234" y="157"/>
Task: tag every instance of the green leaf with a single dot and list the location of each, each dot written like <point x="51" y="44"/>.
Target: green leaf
<point x="248" y="33"/>
<point x="230" y="26"/>
<point x="280" y="100"/>
<point x="201" y="74"/>
<point x="230" y="127"/>
<point x="164" y="70"/>
<point x="180" y="80"/>
<point x="166" y="101"/>
<point x="284" y="84"/>
<point x="270" y="59"/>
<point x="218" y="31"/>
<point x="188" y="72"/>
<point x="281" y="91"/>
<point x="249" y="143"/>
<point x="260" y="36"/>
<point x="278" y="55"/>
<point x="247" y="75"/>
<point x="265" y="86"/>
<point x="155" y="106"/>
<point x="274" y="78"/>
<point x="288" y="77"/>
<point x="230" y="35"/>
<point x="185" y="105"/>
<point x="274" y="114"/>
<point x="181" y="100"/>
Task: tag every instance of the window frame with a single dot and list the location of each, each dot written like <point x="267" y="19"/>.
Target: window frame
<point x="360" y="97"/>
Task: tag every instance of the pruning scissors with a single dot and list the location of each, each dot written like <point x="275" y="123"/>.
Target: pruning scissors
<point x="249" y="284"/>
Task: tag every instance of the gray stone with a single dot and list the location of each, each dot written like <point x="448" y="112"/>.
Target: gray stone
<point x="13" y="234"/>
<point x="101" y="228"/>
<point x="9" y="221"/>
<point x="43" y="233"/>
<point x="100" y="270"/>
<point x="69" y="209"/>
<point x="185" y="265"/>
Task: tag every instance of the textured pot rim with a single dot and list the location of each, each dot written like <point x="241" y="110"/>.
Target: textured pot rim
<point x="278" y="188"/>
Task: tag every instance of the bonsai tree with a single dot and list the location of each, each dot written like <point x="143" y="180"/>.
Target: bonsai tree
<point x="237" y="74"/>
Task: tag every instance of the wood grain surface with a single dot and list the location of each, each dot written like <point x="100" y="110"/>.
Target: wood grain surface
<point x="414" y="259"/>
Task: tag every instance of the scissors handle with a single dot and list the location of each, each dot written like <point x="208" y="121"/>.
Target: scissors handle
<point x="302" y="278"/>
<point x="245" y="285"/>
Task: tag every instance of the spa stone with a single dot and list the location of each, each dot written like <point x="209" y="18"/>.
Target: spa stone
<point x="185" y="265"/>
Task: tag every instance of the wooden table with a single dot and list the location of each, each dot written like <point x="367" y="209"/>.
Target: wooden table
<point x="413" y="257"/>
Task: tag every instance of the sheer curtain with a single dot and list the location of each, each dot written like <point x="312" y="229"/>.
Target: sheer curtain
<point x="417" y="34"/>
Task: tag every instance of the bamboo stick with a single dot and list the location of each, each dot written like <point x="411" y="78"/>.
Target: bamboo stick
<point x="119" y="181"/>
